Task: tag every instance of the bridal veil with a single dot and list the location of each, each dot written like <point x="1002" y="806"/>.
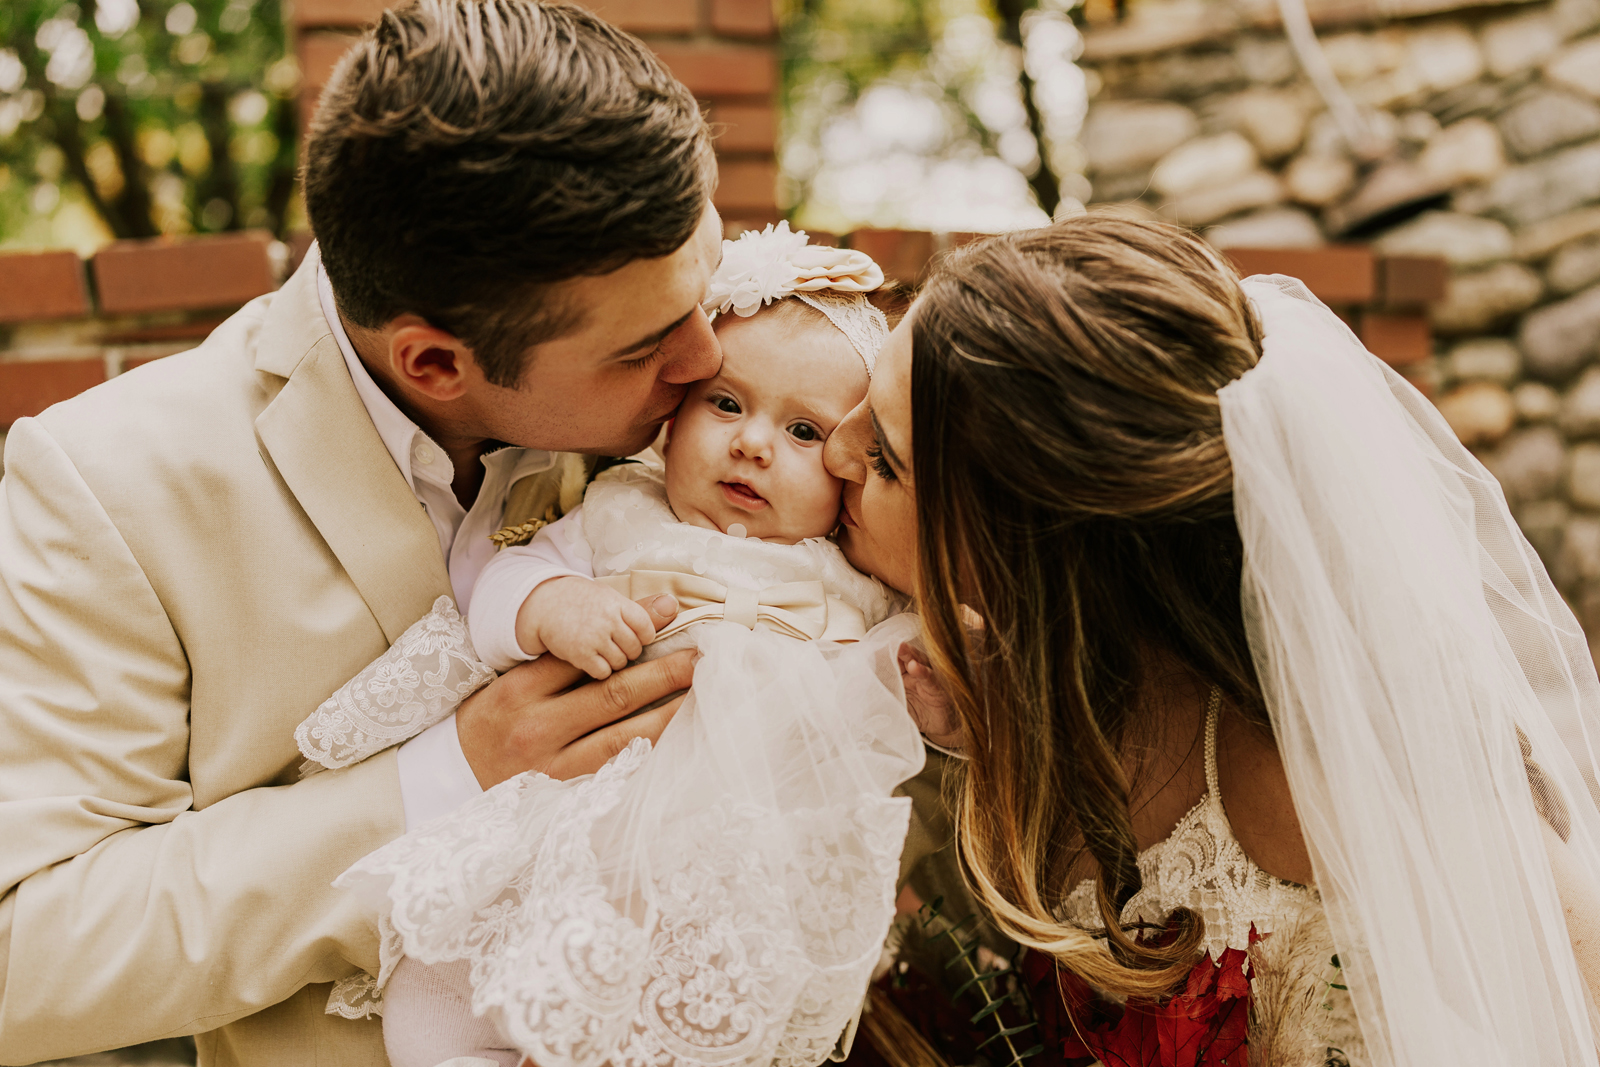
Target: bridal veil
<point x="1433" y="697"/>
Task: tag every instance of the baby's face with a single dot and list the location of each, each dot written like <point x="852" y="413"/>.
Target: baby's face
<point x="747" y="445"/>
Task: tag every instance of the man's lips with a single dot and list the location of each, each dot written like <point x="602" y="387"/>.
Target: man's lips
<point x="742" y="496"/>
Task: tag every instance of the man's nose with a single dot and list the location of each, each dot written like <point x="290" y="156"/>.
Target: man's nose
<point x="693" y="351"/>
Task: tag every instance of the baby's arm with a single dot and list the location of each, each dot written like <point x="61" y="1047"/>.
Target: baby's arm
<point x="541" y="597"/>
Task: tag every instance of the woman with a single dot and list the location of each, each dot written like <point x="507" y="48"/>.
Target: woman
<point x="1281" y="744"/>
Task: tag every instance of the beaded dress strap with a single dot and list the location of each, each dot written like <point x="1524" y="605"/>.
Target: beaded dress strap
<point x="1213" y="709"/>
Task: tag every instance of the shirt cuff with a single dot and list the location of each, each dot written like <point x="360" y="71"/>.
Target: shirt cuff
<point x="435" y="777"/>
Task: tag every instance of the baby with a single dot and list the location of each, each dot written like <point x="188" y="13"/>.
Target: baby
<point x="723" y="898"/>
<point x="743" y="458"/>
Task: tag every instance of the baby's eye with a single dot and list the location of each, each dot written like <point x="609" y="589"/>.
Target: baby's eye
<point x="804" y="431"/>
<point x="727" y="404"/>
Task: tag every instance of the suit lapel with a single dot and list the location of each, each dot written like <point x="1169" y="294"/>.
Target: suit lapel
<point x="322" y="442"/>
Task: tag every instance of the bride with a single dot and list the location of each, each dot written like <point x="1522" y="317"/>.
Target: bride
<point x="1282" y="747"/>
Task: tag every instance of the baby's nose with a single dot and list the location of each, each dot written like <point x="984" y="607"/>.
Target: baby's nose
<point x="753" y="441"/>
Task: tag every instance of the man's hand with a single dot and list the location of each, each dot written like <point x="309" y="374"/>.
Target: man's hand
<point x="531" y="717"/>
<point x="591" y="626"/>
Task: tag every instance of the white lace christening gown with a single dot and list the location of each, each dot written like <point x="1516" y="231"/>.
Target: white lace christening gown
<point x="1300" y="1015"/>
<point x="719" y="900"/>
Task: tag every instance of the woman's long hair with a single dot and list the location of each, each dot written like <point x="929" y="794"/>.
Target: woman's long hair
<point x="1073" y="489"/>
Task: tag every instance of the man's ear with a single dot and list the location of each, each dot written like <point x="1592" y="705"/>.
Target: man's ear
<point x="432" y="361"/>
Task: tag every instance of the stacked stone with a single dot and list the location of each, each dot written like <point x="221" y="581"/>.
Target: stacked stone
<point x="1484" y="150"/>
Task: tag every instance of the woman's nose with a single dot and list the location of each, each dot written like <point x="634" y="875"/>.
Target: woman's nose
<point x="844" y="453"/>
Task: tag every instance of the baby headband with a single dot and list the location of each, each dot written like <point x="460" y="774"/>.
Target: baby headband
<point x="767" y="265"/>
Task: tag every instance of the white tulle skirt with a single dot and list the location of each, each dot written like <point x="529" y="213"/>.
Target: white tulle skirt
<point x="721" y="899"/>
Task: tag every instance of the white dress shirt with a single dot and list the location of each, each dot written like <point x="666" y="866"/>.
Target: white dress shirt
<point x="435" y="777"/>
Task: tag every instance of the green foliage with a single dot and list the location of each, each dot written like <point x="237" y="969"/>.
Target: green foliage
<point x="162" y="116"/>
<point x="963" y="75"/>
<point x="983" y="984"/>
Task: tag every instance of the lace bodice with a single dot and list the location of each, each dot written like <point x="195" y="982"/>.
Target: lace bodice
<point x="1202" y="866"/>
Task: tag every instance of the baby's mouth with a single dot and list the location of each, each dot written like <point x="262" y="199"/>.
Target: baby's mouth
<point x="741" y="495"/>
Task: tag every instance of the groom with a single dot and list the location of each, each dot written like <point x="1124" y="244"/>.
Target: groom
<point x="514" y="233"/>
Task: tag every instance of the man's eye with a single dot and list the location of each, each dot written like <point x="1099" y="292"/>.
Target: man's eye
<point x="644" y="360"/>
<point x="727" y="404"/>
<point x="805" y="432"/>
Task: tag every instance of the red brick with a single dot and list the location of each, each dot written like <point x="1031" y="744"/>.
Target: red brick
<point x="1397" y="339"/>
<point x="319" y="53"/>
<point x="648" y="16"/>
<point x="1337" y="274"/>
<point x="743" y="18"/>
<point x="1411" y="281"/>
<point x="28" y="387"/>
<point x="746" y="186"/>
<point x="42" y="285"/>
<point x="742" y="128"/>
<point x="903" y="254"/>
<point x="164" y="333"/>
<point x="350" y="13"/>
<point x="133" y="277"/>
<point x="721" y="70"/>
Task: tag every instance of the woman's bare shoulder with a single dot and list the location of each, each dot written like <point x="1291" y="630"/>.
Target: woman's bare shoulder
<point x="1255" y="794"/>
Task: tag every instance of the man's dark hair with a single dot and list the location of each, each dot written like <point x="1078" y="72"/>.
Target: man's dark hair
<point x="468" y="153"/>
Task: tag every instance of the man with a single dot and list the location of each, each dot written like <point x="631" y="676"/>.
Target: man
<point x="511" y="204"/>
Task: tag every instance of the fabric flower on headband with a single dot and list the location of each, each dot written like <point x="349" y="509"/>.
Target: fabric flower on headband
<point x="767" y="265"/>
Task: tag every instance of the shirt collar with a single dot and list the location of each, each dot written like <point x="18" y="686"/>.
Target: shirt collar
<point x="405" y="440"/>
<point x="394" y="427"/>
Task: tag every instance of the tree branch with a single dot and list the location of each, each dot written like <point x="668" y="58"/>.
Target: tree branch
<point x="1044" y="181"/>
<point x="133" y="202"/>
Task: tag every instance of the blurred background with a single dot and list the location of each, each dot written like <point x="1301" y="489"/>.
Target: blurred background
<point x="1431" y="168"/>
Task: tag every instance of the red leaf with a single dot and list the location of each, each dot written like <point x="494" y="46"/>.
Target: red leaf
<point x="1231" y="980"/>
<point x="1201" y="978"/>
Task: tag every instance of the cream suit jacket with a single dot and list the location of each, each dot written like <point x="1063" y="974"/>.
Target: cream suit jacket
<point x="192" y="557"/>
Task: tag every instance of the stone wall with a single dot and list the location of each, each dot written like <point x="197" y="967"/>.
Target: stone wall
<point x="1483" y="149"/>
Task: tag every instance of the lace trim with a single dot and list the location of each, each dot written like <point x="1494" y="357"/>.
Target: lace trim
<point x="1202" y="866"/>
<point x="855" y="316"/>
<point x="732" y="958"/>
<point x="420" y="680"/>
<point x="356" y="997"/>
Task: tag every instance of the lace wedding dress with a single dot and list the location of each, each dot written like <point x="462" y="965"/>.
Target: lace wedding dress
<point x="720" y="899"/>
<point x="1300" y="1012"/>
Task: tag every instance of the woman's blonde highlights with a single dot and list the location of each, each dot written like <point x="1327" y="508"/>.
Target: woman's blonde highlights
<point x="1074" y="491"/>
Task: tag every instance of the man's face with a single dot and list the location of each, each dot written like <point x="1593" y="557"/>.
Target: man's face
<point x="607" y="387"/>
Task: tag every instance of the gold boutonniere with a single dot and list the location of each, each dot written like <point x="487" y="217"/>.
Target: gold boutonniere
<point x="523" y="532"/>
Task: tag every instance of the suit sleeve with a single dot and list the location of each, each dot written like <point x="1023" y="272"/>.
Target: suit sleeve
<point x="125" y="915"/>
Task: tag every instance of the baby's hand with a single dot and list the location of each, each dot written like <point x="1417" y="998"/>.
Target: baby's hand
<point x="591" y="626"/>
<point x="927" y="701"/>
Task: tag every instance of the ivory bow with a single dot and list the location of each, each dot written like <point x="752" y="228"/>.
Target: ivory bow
<point x="802" y="610"/>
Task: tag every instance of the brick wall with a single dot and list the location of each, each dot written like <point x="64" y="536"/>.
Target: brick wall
<point x="725" y="51"/>
<point x="67" y="324"/>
